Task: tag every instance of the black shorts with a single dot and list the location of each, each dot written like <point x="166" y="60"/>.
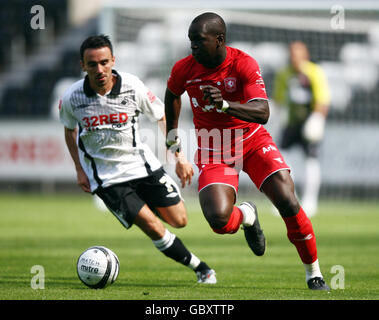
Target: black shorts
<point x="126" y="199"/>
<point x="293" y="135"/>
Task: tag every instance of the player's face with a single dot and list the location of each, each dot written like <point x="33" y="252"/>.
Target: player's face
<point x="98" y="64"/>
<point x="204" y="45"/>
<point x="298" y="54"/>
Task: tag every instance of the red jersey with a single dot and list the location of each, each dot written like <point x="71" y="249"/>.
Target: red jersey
<point x="238" y="78"/>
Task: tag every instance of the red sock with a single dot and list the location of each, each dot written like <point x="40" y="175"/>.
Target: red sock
<point x="300" y="233"/>
<point x="233" y="224"/>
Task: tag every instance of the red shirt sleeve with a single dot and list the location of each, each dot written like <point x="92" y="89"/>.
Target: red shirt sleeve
<point x="253" y="84"/>
<point x="175" y="82"/>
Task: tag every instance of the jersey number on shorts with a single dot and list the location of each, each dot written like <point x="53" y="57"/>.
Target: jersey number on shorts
<point x="167" y="182"/>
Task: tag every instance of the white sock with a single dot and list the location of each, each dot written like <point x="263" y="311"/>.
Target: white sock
<point x="194" y="262"/>
<point x="248" y="214"/>
<point x="312" y="270"/>
<point x="165" y="242"/>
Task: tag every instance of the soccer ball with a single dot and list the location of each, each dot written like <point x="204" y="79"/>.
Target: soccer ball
<point x="98" y="267"/>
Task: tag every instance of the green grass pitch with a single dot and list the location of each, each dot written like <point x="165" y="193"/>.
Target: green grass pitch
<point x="52" y="231"/>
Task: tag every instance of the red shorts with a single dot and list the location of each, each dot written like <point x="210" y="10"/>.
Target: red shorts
<point x="256" y="154"/>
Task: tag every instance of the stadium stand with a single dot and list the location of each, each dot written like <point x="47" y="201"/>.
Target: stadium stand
<point x="32" y="61"/>
<point x="36" y="66"/>
<point x="349" y="56"/>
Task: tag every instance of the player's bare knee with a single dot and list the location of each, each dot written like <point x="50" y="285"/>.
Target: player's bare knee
<point x="180" y="221"/>
<point x="217" y="217"/>
<point x="181" y="218"/>
<point x="175" y="216"/>
<point x="288" y="205"/>
<point x="285" y="200"/>
<point x="280" y="189"/>
<point x="217" y="201"/>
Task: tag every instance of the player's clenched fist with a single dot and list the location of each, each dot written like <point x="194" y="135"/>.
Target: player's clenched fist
<point x="213" y="95"/>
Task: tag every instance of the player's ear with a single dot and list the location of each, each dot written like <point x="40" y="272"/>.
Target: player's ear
<point x="220" y="40"/>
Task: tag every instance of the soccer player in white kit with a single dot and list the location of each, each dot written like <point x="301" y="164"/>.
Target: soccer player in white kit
<point x="100" y="115"/>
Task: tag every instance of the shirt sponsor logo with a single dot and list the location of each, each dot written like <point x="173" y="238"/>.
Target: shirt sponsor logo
<point x="103" y="119"/>
<point x="193" y="80"/>
<point x="268" y="149"/>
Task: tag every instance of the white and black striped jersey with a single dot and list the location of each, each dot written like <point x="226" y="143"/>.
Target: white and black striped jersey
<point x="110" y="148"/>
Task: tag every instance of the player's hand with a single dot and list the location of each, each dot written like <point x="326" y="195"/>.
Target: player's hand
<point x="83" y="181"/>
<point x="184" y="170"/>
<point x="213" y="95"/>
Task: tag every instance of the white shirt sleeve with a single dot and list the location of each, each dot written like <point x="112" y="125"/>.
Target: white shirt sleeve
<point x="148" y="103"/>
<point x="66" y="116"/>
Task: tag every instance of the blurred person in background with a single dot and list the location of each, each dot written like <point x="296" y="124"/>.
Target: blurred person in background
<point x="302" y="88"/>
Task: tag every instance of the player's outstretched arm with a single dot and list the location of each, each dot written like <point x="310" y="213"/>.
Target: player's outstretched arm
<point x="162" y="124"/>
<point x="70" y="138"/>
<point x="173" y="105"/>
<point x="183" y="168"/>
<point x="257" y="111"/>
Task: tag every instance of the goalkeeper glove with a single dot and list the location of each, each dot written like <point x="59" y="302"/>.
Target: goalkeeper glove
<point x="313" y="129"/>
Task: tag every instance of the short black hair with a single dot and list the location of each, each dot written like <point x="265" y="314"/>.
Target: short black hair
<point x="214" y="23"/>
<point x="94" y="42"/>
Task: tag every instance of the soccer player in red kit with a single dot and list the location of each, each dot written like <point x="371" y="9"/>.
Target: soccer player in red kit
<point x="230" y="105"/>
